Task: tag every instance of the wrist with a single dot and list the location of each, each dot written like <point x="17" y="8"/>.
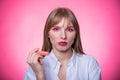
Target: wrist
<point x="40" y="76"/>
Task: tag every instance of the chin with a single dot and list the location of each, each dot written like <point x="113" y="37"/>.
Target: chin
<point x="63" y="49"/>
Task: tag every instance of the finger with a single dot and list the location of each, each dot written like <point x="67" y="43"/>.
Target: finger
<point x="32" y="52"/>
<point x="40" y="60"/>
<point x="34" y="58"/>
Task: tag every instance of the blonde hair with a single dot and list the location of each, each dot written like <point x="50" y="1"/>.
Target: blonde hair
<point x="54" y="18"/>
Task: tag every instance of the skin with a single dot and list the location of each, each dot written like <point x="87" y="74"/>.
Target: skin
<point x="35" y="61"/>
<point x="61" y="32"/>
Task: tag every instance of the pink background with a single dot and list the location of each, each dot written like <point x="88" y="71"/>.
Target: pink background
<point x="21" y="30"/>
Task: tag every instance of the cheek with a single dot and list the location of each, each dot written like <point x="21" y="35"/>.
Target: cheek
<point x="71" y="36"/>
<point x="53" y="38"/>
<point x="71" y="39"/>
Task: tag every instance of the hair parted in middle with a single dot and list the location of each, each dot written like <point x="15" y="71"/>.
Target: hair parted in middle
<point x="54" y="18"/>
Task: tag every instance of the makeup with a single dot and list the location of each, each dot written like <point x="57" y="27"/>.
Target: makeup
<point x="62" y="43"/>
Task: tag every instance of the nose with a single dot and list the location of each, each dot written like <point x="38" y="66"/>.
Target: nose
<point x="63" y="34"/>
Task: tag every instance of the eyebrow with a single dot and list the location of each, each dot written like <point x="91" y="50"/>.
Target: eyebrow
<point x="70" y="26"/>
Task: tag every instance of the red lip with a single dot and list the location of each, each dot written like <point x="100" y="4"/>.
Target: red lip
<point x="62" y="43"/>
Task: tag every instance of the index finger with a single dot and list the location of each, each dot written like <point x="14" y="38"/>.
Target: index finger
<point x="32" y="52"/>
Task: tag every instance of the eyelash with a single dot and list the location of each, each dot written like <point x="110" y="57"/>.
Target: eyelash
<point x="68" y="29"/>
<point x="55" y="29"/>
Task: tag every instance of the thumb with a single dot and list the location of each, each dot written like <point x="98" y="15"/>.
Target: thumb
<point x="40" y="60"/>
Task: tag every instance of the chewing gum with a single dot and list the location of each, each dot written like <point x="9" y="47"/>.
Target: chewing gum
<point x="43" y="53"/>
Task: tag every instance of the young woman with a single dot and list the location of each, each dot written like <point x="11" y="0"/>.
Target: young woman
<point x="66" y="59"/>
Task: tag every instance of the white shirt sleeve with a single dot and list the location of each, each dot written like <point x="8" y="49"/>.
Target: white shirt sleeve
<point x="29" y="75"/>
<point x="94" y="70"/>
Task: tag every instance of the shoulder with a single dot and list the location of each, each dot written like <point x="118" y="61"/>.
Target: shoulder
<point x="85" y="57"/>
<point x="90" y="66"/>
<point x="87" y="60"/>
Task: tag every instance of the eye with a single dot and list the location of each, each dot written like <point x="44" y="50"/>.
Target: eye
<point x="55" y="28"/>
<point x="70" y="29"/>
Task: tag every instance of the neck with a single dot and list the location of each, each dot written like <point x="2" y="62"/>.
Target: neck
<point x="63" y="56"/>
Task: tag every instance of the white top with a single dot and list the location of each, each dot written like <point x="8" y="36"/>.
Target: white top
<point x="80" y="67"/>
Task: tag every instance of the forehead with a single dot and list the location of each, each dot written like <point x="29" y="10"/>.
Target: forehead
<point x="64" y="22"/>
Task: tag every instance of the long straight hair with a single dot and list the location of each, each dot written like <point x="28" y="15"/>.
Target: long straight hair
<point x="54" y="18"/>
